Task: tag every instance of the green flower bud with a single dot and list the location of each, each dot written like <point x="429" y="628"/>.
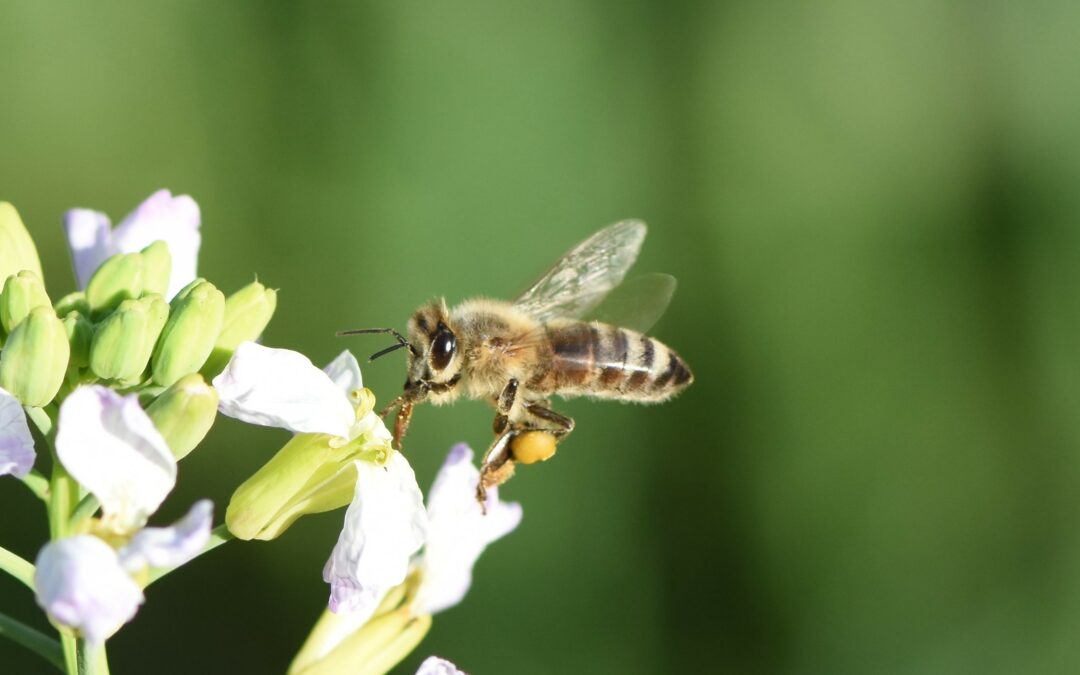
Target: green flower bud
<point x="157" y="268"/>
<point x="247" y="312"/>
<point x="311" y="474"/>
<point x="184" y="413"/>
<point x="73" y="302"/>
<point x="80" y="333"/>
<point x="124" y="341"/>
<point x="17" y="250"/>
<point x="119" y="278"/>
<point x="189" y="335"/>
<point x="35" y="358"/>
<point x="22" y="292"/>
<point x="374" y="648"/>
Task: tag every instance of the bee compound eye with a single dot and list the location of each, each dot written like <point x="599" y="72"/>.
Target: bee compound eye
<point x="442" y="350"/>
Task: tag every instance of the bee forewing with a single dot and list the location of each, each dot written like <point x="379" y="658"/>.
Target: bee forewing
<point x="638" y="303"/>
<point x="581" y="279"/>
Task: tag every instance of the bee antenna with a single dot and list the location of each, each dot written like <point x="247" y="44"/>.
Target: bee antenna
<point x="402" y="342"/>
<point x="384" y="352"/>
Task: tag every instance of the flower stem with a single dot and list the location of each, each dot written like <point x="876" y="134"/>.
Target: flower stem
<point x="218" y="536"/>
<point x="91" y="658"/>
<point x="34" y="640"/>
<point x="37" y="483"/>
<point x="84" y="509"/>
<point x="17" y="567"/>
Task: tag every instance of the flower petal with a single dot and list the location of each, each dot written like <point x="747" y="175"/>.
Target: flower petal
<point x="16" y="444"/>
<point x="110" y="446"/>
<point x="170" y="546"/>
<point x="345" y="372"/>
<point x="282" y="388"/>
<point x="384" y="526"/>
<point x="80" y="583"/>
<point x="433" y="665"/>
<point x="90" y="240"/>
<point x="458" y="532"/>
<point x="174" y="220"/>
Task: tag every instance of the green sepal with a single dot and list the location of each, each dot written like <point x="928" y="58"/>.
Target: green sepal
<point x="35" y="357"/>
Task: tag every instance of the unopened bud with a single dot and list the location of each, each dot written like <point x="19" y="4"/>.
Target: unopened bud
<point x="157" y="268"/>
<point x="125" y="340"/>
<point x="80" y="333"/>
<point x="119" y="278"/>
<point x="17" y="250"/>
<point x="184" y="413"/>
<point x="22" y="292"/>
<point x="247" y="312"/>
<point x="35" y="358"/>
<point x="73" y="302"/>
<point x="189" y="335"/>
<point x="310" y="474"/>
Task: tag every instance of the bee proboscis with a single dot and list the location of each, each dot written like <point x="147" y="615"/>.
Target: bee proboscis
<point x="517" y="355"/>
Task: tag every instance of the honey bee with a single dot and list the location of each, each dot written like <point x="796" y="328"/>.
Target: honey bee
<point x="517" y="355"/>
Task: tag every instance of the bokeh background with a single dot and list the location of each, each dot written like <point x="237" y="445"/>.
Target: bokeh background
<point x="873" y="211"/>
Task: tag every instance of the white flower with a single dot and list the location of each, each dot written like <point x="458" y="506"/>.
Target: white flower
<point x="16" y="444"/>
<point x="386" y="521"/>
<point x="282" y="388"/>
<point x="174" y="220"/>
<point x="458" y="532"/>
<point x="85" y="584"/>
<point x="384" y="526"/>
<point x="111" y="447"/>
<point x="81" y="584"/>
<point x="170" y="546"/>
<point x="433" y="665"/>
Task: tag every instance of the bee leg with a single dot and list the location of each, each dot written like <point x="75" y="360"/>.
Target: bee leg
<point x="504" y="404"/>
<point x="496" y="467"/>
<point x="550" y="421"/>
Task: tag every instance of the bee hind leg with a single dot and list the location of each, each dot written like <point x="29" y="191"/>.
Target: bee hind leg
<point x="548" y="420"/>
<point x="496" y="467"/>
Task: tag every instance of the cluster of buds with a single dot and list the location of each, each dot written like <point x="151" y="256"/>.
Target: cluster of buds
<point x="116" y="377"/>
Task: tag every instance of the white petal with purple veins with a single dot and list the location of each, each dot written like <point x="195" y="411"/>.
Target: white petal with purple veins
<point x="16" y="444"/>
<point x="174" y="220"/>
<point x="433" y="665"/>
<point x="384" y="526"/>
<point x="90" y="240"/>
<point x="282" y="388"/>
<point x="170" y="546"/>
<point x="345" y="372"/>
<point x="458" y="532"/>
<point x="111" y="447"/>
<point x="80" y="583"/>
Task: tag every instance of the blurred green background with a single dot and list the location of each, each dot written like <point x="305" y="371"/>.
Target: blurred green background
<point x="873" y="211"/>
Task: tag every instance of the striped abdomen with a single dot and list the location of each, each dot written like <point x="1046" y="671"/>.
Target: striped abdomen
<point x="595" y="359"/>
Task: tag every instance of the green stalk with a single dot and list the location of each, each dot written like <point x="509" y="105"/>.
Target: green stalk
<point x="17" y="567"/>
<point x="34" y="640"/>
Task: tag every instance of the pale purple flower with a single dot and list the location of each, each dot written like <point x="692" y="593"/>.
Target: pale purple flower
<point x="433" y="665"/>
<point x="458" y="532"/>
<point x="111" y="447"/>
<point x="170" y="546"/>
<point x="80" y="583"/>
<point x="16" y="444"/>
<point x="174" y="220"/>
<point x="384" y="526"/>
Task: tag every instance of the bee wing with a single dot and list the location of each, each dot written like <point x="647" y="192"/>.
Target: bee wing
<point x="638" y="303"/>
<point x="580" y="279"/>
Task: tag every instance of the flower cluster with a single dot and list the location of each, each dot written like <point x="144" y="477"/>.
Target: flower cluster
<point x="111" y="376"/>
<point x="124" y="377"/>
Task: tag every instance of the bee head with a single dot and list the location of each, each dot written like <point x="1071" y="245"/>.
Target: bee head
<point x="436" y="359"/>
